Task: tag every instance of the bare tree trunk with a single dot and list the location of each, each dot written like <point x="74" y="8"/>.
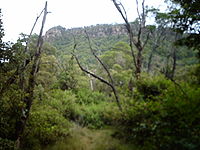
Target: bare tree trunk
<point x="154" y="48"/>
<point x="137" y="42"/>
<point x="174" y="64"/>
<point x="28" y="99"/>
<point x="91" y="82"/>
<point x="139" y="64"/>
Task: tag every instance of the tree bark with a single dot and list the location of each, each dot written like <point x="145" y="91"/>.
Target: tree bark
<point x="137" y="59"/>
<point x="28" y="99"/>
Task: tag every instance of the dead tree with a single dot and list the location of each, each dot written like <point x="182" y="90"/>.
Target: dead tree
<point x="135" y="40"/>
<point x="158" y="35"/>
<point x="109" y="83"/>
<point x="29" y="91"/>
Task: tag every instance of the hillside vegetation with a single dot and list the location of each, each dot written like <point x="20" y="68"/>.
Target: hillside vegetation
<point x="100" y="88"/>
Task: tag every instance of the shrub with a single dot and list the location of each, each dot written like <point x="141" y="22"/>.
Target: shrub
<point x="150" y="87"/>
<point x="10" y="113"/>
<point x="6" y="144"/>
<point x="173" y="122"/>
<point x="45" y="126"/>
<point x="48" y="120"/>
<point x="62" y="101"/>
<point x="96" y="116"/>
<point x="85" y="96"/>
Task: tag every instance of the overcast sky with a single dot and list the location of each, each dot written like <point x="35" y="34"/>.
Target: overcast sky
<point x="19" y="15"/>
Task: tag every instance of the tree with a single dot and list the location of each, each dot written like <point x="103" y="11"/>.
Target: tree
<point x="142" y="35"/>
<point x="29" y="91"/>
<point x="109" y="82"/>
<point x="67" y="78"/>
<point x="185" y="14"/>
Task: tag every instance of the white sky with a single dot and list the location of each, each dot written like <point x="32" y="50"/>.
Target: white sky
<point x="19" y="15"/>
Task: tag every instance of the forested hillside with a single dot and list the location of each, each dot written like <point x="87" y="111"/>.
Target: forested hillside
<point x="130" y="86"/>
<point x="111" y="39"/>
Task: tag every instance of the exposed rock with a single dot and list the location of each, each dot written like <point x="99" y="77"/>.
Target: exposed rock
<point x="104" y="30"/>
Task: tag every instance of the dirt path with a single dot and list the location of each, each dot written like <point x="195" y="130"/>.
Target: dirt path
<point x="87" y="139"/>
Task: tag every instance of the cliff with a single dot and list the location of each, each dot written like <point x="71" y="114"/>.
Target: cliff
<point x="97" y="31"/>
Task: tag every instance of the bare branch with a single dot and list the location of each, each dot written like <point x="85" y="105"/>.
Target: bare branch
<point x="111" y="85"/>
<point x="90" y="73"/>
<point x="100" y="79"/>
<point x="29" y="36"/>
<point x="138" y="12"/>
<point x="98" y="59"/>
<point x="137" y="59"/>
<point x="35" y="23"/>
<point x="124" y="15"/>
<point x="143" y="15"/>
<point x="28" y="99"/>
<point x="142" y="20"/>
<point x="129" y="29"/>
<point x="147" y="39"/>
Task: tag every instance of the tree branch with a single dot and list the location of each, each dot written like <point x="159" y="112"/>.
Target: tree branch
<point x="100" y="79"/>
<point x="111" y="85"/>
<point x="98" y="59"/>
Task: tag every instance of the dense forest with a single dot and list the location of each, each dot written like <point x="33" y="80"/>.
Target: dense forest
<point x="131" y="86"/>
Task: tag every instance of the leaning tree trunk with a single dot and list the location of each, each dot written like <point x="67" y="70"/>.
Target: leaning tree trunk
<point x="28" y="99"/>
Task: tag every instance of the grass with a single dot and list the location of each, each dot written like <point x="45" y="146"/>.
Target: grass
<point x="89" y="139"/>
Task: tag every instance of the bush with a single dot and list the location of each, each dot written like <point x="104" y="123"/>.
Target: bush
<point x="150" y="87"/>
<point x="10" y="113"/>
<point x="85" y="96"/>
<point x="48" y="120"/>
<point x="91" y="116"/>
<point x="6" y="144"/>
<point x="62" y="101"/>
<point x="172" y="122"/>
<point x="45" y="126"/>
<point x="96" y="116"/>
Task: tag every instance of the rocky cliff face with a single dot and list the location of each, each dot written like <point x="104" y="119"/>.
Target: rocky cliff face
<point x="96" y="31"/>
<point x="54" y="33"/>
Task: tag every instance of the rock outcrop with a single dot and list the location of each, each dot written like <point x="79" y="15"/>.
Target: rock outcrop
<point x="96" y="31"/>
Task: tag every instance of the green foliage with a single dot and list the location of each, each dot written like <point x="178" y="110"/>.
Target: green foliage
<point x="184" y="14"/>
<point x="190" y="75"/>
<point x="6" y="144"/>
<point x="171" y="122"/>
<point x="150" y="87"/>
<point x="45" y="126"/>
<point x="67" y="73"/>
<point x="62" y="101"/>
<point x="96" y="116"/>
<point x="158" y="115"/>
<point x="66" y="81"/>
<point x="10" y="112"/>
<point x="119" y="54"/>
<point x="86" y="96"/>
<point x="90" y="116"/>
<point x="49" y="119"/>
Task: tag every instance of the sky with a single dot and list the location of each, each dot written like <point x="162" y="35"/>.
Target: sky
<point x="19" y="15"/>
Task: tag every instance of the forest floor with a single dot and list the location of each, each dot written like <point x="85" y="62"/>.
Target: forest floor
<point x="82" y="138"/>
